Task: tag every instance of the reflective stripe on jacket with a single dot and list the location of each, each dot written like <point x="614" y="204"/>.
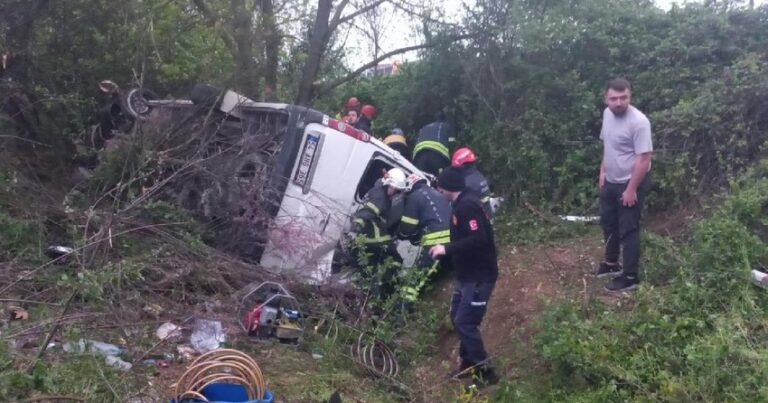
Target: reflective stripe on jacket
<point x="427" y="216"/>
<point x="435" y="136"/>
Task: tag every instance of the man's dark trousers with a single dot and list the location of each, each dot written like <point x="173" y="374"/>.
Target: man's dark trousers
<point x="468" y="306"/>
<point x="621" y="225"/>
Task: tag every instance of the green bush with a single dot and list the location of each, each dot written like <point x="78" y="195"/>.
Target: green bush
<point x="20" y="237"/>
<point x="697" y="333"/>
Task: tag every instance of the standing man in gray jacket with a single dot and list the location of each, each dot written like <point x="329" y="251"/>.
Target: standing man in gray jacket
<point x="624" y="182"/>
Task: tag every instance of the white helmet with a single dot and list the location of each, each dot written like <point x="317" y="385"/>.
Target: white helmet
<point x="395" y="178"/>
<point x="413" y="179"/>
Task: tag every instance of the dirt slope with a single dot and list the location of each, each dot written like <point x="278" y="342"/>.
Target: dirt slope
<point x="529" y="276"/>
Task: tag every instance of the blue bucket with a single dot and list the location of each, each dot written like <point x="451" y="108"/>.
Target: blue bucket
<point x="228" y="393"/>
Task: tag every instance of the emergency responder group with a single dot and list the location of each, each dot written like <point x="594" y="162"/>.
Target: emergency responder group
<point x="466" y="239"/>
<point x="450" y="221"/>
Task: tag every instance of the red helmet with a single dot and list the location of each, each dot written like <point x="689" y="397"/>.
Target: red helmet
<point x="352" y="103"/>
<point x="369" y="111"/>
<point x="463" y="156"/>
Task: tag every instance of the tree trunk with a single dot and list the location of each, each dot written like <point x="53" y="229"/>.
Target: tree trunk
<point x="246" y="80"/>
<point x="19" y="17"/>
<point x="317" y="44"/>
<point x="271" y="37"/>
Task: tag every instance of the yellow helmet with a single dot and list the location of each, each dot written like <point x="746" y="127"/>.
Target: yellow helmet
<point x="395" y="138"/>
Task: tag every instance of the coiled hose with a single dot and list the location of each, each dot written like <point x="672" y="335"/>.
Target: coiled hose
<point x="375" y="356"/>
<point x="221" y="366"/>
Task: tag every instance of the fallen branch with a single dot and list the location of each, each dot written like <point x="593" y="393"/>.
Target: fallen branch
<point x="53" y="398"/>
<point x="163" y="340"/>
<point x="55" y="327"/>
<point x="26" y="301"/>
<point x="106" y="381"/>
<point x="324" y="88"/>
<point x="44" y="265"/>
<point x="5" y="136"/>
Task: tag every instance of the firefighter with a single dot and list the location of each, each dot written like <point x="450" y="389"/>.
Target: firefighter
<point x="466" y="160"/>
<point x="432" y="150"/>
<point x="426" y="222"/>
<point x="396" y="141"/>
<point x="472" y="250"/>
<point x="367" y="115"/>
<point x="373" y="220"/>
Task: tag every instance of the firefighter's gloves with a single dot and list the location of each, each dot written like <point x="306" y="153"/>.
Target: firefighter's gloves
<point x="437" y="251"/>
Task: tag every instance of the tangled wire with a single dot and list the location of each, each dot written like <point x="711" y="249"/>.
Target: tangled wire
<point x="221" y="366"/>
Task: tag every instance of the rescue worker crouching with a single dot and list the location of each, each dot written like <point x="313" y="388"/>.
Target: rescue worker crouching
<point x="466" y="161"/>
<point x="373" y="221"/>
<point x="426" y="222"/>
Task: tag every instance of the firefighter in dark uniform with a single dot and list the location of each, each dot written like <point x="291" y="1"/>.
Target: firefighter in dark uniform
<point x="466" y="160"/>
<point x="432" y="150"/>
<point x="373" y="221"/>
<point x="426" y="222"/>
<point x="396" y="141"/>
<point x="473" y="252"/>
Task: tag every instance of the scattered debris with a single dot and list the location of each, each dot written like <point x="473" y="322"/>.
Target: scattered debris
<point x="60" y="253"/>
<point x="317" y="357"/>
<point x="84" y="345"/>
<point x="759" y="278"/>
<point x="207" y="335"/>
<point x="118" y="363"/>
<point x="495" y="203"/>
<point x="580" y="218"/>
<point x="186" y="353"/>
<point x="109" y="351"/>
<point x="168" y="331"/>
<point x="18" y="313"/>
<point x="153" y="310"/>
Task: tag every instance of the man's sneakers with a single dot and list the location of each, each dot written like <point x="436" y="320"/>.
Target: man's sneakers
<point x="606" y="269"/>
<point x="481" y="375"/>
<point x="622" y="283"/>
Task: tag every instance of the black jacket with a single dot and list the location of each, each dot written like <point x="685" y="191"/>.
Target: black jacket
<point x="437" y="136"/>
<point x="472" y="248"/>
<point x="364" y="124"/>
<point x="371" y="219"/>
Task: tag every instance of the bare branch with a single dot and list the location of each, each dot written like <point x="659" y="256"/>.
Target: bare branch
<point x="339" y="81"/>
<point x="405" y="7"/>
<point x="212" y="19"/>
<point x="357" y="12"/>
<point x="337" y="14"/>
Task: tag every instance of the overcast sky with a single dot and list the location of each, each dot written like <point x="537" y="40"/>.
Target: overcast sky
<point x="398" y="32"/>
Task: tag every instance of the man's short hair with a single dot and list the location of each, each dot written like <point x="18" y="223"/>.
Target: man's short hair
<point x="618" y="84"/>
